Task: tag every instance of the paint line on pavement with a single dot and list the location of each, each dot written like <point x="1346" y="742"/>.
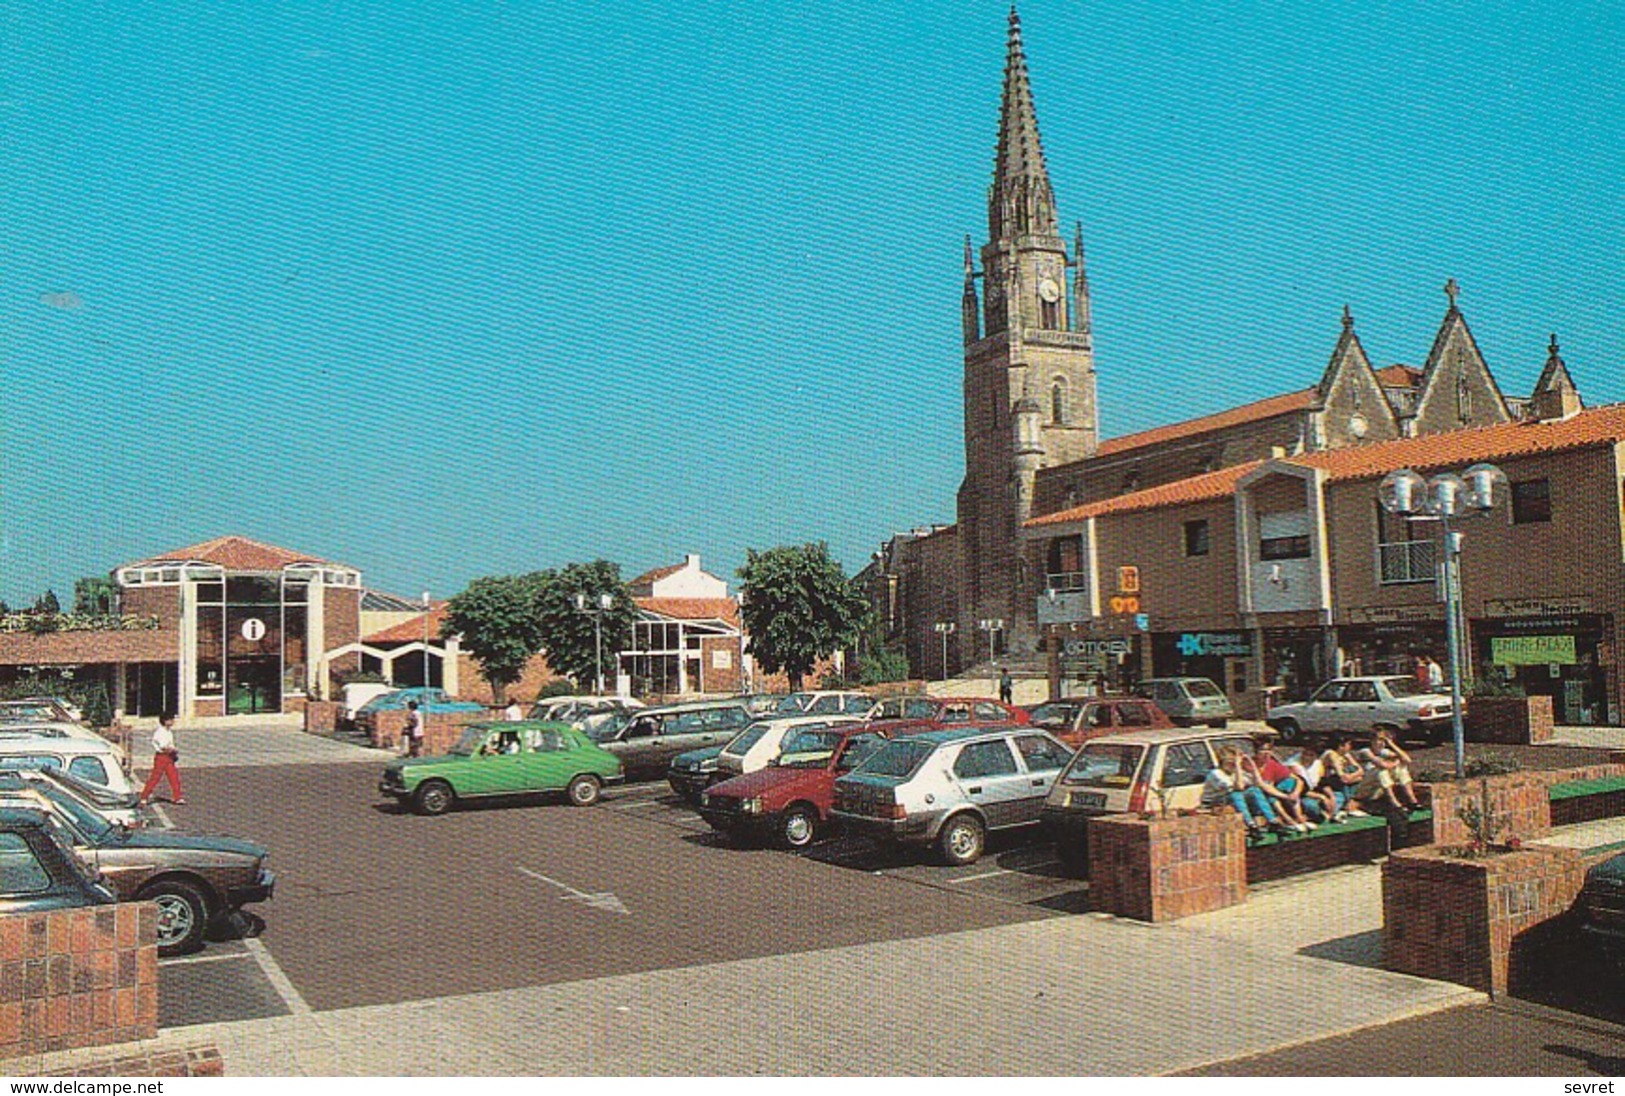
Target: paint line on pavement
<point x="163" y="816"/>
<point x="217" y="957"/>
<point x="279" y="981"/>
<point x="634" y="806"/>
<point x="981" y="875"/>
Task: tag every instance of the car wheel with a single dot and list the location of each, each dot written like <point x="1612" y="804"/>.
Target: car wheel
<point x="799" y="827"/>
<point x="1290" y="731"/>
<point x="962" y="839"/>
<point x="183" y="915"/>
<point x="1219" y="724"/>
<point x="433" y="797"/>
<point x="583" y="790"/>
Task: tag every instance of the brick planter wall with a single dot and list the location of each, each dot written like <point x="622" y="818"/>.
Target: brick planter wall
<point x="1457" y="920"/>
<point x="1509" y="720"/>
<point x="440" y="731"/>
<point x="196" y="1061"/>
<point x="78" y="977"/>
<point x="1520" y="799"/>
<point x="1160" y="869"/>
<point x="322" y="716"/>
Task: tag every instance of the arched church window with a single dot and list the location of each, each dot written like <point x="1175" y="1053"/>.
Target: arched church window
<point x="1057" y="402"/>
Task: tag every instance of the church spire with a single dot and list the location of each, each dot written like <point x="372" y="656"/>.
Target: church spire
<point x="1021" y="202"/>
<point x="1082" y="310"/>
<point x="969" y="307"/>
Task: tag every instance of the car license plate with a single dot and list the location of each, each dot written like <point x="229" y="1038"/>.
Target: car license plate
<point x="1088" y="800"/>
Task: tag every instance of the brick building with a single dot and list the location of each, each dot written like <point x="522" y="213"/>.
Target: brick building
<point x="687" y="638"/>
<point x="989" y="585"/>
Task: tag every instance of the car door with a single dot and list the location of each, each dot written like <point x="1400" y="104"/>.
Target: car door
<point x="989" y="776"/>
<point x="1185" y="766"/>
<point x="26" y="882"/>
<point x="1044" y="758"/>
<point x="1361" y="705"/>
<point x="642" y="743"/>
<point x="544" y="764"/>
<point x="1324" y="710"/>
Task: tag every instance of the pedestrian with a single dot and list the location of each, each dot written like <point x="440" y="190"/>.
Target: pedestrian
<point x="513" y="713"/>
<point x="1007" y="685"/>
<point x="1435" y="676"/>
<point x="164" y="756"/>
<point x="1421" y="671"/>
<point x="413" y="734"/>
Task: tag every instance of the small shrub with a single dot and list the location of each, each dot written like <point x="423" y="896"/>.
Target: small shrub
<point x="559" y="686"/>
<point x="1492" y="684"/>
<point x="1489" y="764"/>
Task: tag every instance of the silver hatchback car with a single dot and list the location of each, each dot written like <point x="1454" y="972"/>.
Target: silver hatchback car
<point x="950" y="788"/>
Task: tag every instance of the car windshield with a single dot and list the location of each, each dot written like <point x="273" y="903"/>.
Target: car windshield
<point x="1105" y="765"/>
<point x="859" y="748"/>
<point x="1201" y="686"/>
<point x="468" y="745"/>
<point x="899" y="757"/>
<point x="606" y="725"/>
<point x="83" y="819"/>
<point x="1405" y="686"/>
<point x="1055" y="713"/>
<point x="794" y="704"/>
<point x="809" y="749"/>
<point x="95" y="793"/>
<point x="746" y="738"/>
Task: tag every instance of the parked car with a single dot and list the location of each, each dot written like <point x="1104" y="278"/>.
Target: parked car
<point x="1187" y="700"/>
<point x="68" y="707"/>
<point x="58" y="728"/>
<point x="1075" y="720"/>
<point x="575" y="709"/>
<point x="38" y="709"/>
<point x="39" y="872"/>
<point x="1602" y="910"/>
<point x="1129" y="772"/>
<point x="789" y="803"/>
<point x="122" y="810"/>
<point x="755" y="747"/>
<point x="97" y="762"/>
<point x="195" y="880"/>
<point x="1360" y="705"/>
<point x="826" y="703"/>
<point x="357" y="693"/>
<point x="649" y="739"/>
<point x="430" y="702"/>
<point x="504" y="759"/>
<point x="947" y="711"/>
<point x="951" y="788"/>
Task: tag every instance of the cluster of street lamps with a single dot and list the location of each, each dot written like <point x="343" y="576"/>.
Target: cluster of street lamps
<point x="1441" y="498"/>
<point x="596" y="607"/>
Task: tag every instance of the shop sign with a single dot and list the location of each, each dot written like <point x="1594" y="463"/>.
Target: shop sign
<point x="1080" y="648"/>
<point x="1217" y="644"/>
<point x="1533" y="651"/>
<point x="1536" y="606"/>
<point x="1547" y="625"/>
<point x="1396" y="614"/>
<point x="253" y="629"/>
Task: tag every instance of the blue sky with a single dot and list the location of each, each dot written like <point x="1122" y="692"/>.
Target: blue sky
<point x="459" y="289"/>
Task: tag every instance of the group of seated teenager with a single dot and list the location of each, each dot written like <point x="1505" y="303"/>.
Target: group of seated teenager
<point x="1295" y="793"/>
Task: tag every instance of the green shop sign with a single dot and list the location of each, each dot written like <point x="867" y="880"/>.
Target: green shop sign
<point x="1532" y="650"/>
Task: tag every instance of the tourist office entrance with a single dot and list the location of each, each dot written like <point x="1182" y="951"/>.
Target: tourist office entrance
<point x="1568" y="657"/>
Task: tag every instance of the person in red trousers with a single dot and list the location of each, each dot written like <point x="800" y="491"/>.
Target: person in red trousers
<point x="164" y="756"/>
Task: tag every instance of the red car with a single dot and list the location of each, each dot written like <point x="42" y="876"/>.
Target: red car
<point x="789" y="801"/>
<point x="1075" y="720"/>
<point x="950" y="711"/>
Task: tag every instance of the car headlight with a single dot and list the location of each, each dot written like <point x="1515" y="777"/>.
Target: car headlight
<point x="752" y="806"/>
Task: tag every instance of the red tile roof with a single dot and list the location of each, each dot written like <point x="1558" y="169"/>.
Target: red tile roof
<point x="236" y="554"/>
<point x="1209" y="485"/>
<point x="657" y="574"/>
<point x="1459" y="448"/>
<point x="692" y="608"/>
<point x="1454" y="449"/>
<point x="1256" y="411"/>
<point x="1399" y="376"/>
<point x="408" y="631"/>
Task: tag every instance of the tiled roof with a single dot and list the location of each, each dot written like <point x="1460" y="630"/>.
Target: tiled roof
<point x="376" y="601"/>
<point x="1453" y="449"/>
<point x="236" y="554"/>
<point x="1459" y="448"/>
<point x="1399" y="376"/>
<point x="657" y="574"/>
<point x="408" y="631"/>
<point x="1209" y="485"/>
<point x="691" y="608"/>
<point x="1248" y="412"/>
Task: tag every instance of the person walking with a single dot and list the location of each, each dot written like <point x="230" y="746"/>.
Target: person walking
<point x="164" y="756"/>
<point x="1435" y="675"/>
<point x="413" y="734"/>
<point x="1007" y="685"/>
<point x="513" y="713"/>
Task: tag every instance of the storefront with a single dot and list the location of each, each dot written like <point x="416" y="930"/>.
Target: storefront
<point x="1083" y="663"/>
<point x="1296" y="660"/>
<point x="1569" y="658"/>
<point x="1386" y="640"/>
<point x="1221" y="657"/>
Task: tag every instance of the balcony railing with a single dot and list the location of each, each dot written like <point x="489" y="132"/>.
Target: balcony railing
<point x="1063" y="581"/>
<point x="1407" y="561"/>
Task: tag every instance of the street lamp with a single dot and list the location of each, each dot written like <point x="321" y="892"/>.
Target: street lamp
<point x="945" y="628"/>
<point x="425" y="639"/>
<point x="597" y="607"/>
<point x="1441" y="498"/>
<point x="991" y="626"/>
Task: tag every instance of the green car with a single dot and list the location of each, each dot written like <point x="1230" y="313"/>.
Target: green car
<point x="494" y="759"/>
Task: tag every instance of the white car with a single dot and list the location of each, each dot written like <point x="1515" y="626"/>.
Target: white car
<point x="1361" y="705"/>
<point x="827" y="703"/>
<point x="758" y="745"/>
<point x="94" y="761"/>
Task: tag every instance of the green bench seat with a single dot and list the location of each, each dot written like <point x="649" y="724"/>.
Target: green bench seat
<point x="1574" y="789"/>
<point x="1331" y="829"/>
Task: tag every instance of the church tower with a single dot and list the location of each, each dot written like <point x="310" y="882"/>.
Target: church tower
<point x="1029" y="366"/>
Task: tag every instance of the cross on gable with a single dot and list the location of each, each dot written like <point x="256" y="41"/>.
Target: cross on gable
<point x="1452" y="290"/>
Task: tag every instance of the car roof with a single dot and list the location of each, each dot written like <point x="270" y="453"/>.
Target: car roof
<point x="955" y="734"/>
<point x="1185" y="677"/>
<point x="19" y="743"/>
<point x="1160" y="735"/>
<point x="518" y="724"/>
<point x="692" y="706"/>
<point x="13" y="815"/>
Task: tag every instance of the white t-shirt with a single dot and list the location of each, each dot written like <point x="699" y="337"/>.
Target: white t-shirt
<point x="163" y="739"/>
<point x="513" y="713"/>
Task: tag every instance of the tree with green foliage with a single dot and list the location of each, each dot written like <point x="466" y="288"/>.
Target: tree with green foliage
<point x="48" y="603"/>
<point x="570" y="635"/>
<point x="95" y="595"/>
<point x="499" y="626"/>
<point x="798" y="606"/>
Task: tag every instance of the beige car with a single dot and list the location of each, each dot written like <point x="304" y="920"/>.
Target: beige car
<point x="1131" y="772"/>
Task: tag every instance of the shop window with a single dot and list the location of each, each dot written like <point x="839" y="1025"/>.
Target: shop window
<point x="1197" y="538"/>
<point x="1294" y="547"/>
<point x="1283" y="535"/>
<point x="1531" y="501"/>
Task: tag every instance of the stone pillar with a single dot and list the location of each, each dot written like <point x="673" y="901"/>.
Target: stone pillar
<point x="1160" y="869"/>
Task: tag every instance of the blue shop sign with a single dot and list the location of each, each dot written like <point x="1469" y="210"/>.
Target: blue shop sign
<point x="1216" y="644"/>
